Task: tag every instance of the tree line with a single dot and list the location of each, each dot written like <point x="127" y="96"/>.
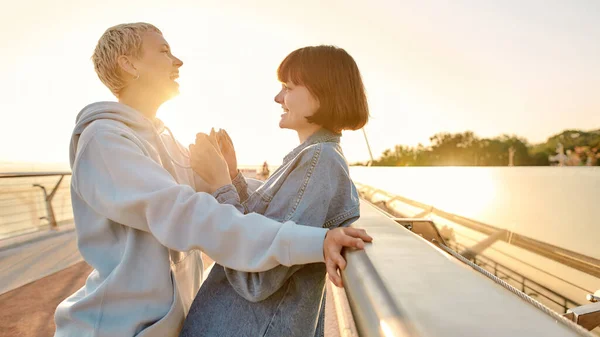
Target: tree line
<point x="571" y="147"/>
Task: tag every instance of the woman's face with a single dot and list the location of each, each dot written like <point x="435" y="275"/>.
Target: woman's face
<point x="297" y="104"/>
<point x="157" y="68"/>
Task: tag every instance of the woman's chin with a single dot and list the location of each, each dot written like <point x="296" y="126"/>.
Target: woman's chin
<point x="171" y="94"/>
<point x="171" y="90"/>
<point x="282" y="124"/>
<point x="285" y="126"/>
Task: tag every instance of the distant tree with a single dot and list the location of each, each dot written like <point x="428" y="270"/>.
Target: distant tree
<point x="466" y="149"/>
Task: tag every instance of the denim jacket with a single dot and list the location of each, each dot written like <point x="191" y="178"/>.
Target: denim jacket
<point x="313" y="188"/>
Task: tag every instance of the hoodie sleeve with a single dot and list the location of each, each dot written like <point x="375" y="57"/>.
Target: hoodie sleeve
<point x="114" y="176"/>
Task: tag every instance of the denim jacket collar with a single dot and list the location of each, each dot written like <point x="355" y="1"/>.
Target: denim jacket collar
<point x="320" y="136"/>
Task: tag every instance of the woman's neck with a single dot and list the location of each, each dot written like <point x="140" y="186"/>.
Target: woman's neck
<point x="148" y="106"/>
<point x="307" y="132"/>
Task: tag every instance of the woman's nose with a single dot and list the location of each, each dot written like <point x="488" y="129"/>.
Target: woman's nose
<point x="279" y="97"/>
<point x="177" y="62"/>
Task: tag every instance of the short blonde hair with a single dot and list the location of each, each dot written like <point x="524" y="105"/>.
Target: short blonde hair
<point x="123" y="39"/>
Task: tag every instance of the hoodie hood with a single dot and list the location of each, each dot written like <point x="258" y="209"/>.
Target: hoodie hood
<point x="114" y="111"/>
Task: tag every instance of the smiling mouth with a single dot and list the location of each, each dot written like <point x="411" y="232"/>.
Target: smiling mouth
<point x="174" y="76"/>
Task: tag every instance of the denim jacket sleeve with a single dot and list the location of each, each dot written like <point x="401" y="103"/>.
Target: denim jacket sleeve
<point x="228" y="195"/>
<point x="245" y="186"/>
<point x="305" y="197"/>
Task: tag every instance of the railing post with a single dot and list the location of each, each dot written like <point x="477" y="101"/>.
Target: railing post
<point x="368" y="147"/>
<point x="48" y="200"/>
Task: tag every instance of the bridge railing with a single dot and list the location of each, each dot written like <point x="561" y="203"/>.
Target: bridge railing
<point x="545" y="295"/>
<point x="34" y="201"/>
<point x="403" y="285"/>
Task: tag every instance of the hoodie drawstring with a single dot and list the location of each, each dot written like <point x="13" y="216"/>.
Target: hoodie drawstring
<point x="159" y="138"/>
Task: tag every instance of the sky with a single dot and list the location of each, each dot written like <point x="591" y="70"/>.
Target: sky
<point x="530" y="68"/>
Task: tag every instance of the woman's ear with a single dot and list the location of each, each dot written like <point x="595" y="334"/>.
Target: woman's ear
<point x="126" y="65"/>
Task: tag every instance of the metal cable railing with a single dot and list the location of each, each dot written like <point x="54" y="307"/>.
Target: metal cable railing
<point x="529" y="265"/>
<point x="33" y="201"/>
<point x="520" y="293"/>
<point x="547" y="296"/>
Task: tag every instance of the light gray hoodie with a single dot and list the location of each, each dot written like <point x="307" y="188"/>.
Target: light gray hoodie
<point x="136" y="212"/>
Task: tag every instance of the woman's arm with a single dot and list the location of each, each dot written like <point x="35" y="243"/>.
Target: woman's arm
<point x="113" y="175"/>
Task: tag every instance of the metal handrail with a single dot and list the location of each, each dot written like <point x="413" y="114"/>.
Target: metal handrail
<point x="33" y="174"/>
<point x="404" y="285"/>
<point x="373" y="307"/>
<point x="48" y="195"/>
<point x="499" y="269"/>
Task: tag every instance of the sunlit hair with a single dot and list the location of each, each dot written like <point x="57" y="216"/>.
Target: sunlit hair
<point x="123" y="39"/>
<point x="331" y="75"/>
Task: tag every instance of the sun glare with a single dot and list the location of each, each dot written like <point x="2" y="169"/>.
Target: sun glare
<point x="464" y="191"/>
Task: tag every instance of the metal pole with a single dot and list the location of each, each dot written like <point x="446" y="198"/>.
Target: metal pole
<point x="368" y="147"/>
<point x="48" y="199"/>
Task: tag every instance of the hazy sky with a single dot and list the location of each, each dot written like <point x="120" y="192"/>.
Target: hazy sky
<point x="522" y="67"/>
